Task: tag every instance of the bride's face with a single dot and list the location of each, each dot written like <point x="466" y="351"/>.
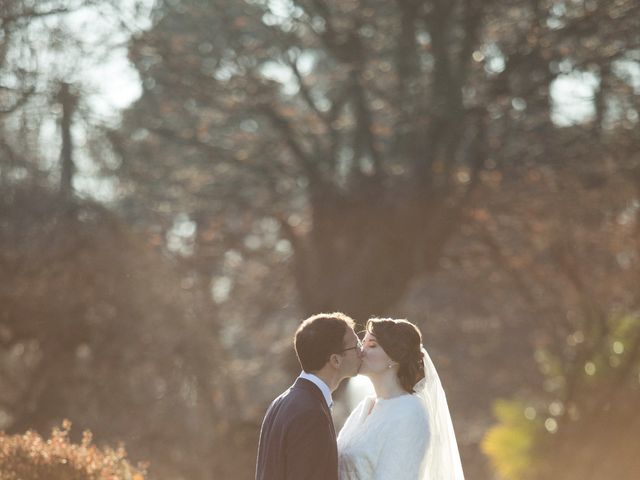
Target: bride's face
<point x="374" y="359"/>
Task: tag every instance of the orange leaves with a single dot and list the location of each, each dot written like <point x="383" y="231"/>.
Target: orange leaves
<point x="383" y="130"/>
<point x="288" y="111"/>
<point x="179" y="43"/>
<point x="240" y="22"/>
<point x="492" y="178"/>
<point x="30" y="457"/>
<point x="480" y="215"/>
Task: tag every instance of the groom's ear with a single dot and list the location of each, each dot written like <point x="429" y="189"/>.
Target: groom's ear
<point x="335" y="360"/>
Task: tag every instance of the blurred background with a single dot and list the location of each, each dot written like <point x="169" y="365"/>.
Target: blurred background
<point x="183" y="181"/>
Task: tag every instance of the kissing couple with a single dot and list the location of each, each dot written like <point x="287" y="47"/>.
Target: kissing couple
<point x="404" y="432"/>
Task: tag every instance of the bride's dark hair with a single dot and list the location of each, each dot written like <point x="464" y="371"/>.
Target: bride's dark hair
<point x="401" y="341"/>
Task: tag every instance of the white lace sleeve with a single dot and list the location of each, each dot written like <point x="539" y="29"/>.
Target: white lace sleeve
<point x="355" y="418"/>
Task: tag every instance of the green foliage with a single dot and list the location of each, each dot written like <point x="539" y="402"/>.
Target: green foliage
<point x="611" y="353"/>
<point x="30" y="457"/>
<point x="590" y="419"/>
<point x="599" y="358"/>
<point x="510" y="443"/>
<point x="624" y="333"/>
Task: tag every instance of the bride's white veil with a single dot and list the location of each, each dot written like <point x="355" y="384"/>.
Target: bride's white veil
<point x="443" y="457"/>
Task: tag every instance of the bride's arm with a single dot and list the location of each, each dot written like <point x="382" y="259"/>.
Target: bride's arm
<point x="355" y="417"/>
<point x="403" y="452"/>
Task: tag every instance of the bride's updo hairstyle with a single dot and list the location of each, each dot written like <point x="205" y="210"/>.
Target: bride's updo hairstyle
<point x="401" y="341"/>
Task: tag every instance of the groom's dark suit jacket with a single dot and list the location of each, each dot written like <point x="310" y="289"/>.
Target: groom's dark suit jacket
<point x="297" y="440"/>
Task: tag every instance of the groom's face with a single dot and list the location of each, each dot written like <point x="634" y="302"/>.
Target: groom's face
<point x="351" y="354"/>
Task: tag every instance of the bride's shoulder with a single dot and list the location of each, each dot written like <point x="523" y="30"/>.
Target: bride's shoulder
<point x="411" y="400"/>
<point x="366" y="403"/>
<point x="360" y="412"/>
<point x="408" y="406"/>
<point x="407" y="400"/>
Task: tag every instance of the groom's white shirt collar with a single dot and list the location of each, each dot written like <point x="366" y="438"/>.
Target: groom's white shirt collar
<point x="324" y="388"/>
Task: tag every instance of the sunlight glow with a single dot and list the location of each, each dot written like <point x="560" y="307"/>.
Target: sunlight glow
<point x="358" y="388"/>
<point x="573" y="95"/>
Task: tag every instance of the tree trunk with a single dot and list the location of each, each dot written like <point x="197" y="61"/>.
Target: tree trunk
<point x="68" y="101"/>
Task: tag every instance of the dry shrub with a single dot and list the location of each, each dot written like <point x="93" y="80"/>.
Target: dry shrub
<point x="30" y="457"/>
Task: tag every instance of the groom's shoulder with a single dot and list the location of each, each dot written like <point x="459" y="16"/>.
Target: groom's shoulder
<point x="301" y="391"/>
<point x="301" y="396"/>
<point x="291" y="407"/>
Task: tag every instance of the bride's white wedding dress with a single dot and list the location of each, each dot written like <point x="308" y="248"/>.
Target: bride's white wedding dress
<point x="409" y="437"/>
<point x="389" y="443"/>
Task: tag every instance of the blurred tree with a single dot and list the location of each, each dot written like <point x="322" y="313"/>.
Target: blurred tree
<point x="342" y="124"/>
<point x="351" y="140"/>
<point x="360" y="126"/>
<point x="576" y="265"/>
<point x="374" y="132"/>
<point x="97" y="327"/>
<point x="45" y="45"/>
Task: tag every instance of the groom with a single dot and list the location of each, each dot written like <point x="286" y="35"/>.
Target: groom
<point x="297" y="440"/>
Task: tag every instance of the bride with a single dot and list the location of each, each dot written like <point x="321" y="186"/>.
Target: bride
<point x="405" y="431"/>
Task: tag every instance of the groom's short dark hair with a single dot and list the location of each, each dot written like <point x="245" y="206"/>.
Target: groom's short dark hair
<point x="320" y="336"/>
